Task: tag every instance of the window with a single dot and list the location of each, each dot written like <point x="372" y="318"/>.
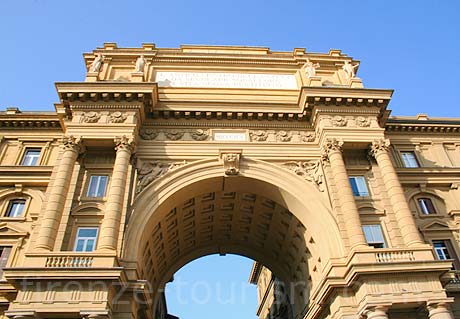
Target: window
<point x="15" y="208"/>
<point x="444" y="250"/>
<point x="374" y="236"/>
<point x="359" y="186"/>
<point x="409" y="159"/>
<point x="4" y="255"/>
<point x="31" y="157"/>
<point x="97" y="185"/>
<point x="86" y="239"/>
<point x="426" y="206"/>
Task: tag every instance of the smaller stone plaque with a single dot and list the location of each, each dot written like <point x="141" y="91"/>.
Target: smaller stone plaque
<point x="230" y="136"/>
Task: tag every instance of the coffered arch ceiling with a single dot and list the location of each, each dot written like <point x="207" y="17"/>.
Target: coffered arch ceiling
<point x="265" y="214"/>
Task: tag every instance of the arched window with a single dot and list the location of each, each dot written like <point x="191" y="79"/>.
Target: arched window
<point x="15" y="208"/>
<point x="426" y="206"/>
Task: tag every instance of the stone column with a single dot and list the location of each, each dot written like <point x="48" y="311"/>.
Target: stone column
<point x="57" y="193"/>
<point x="439" y="310"/>
<point x="110" y="226"/>
<point x="404" y="218"/>
<point x="376" y="312"/>
<point x="332" y="150"/>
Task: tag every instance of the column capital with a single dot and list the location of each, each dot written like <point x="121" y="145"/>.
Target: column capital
<point x="124" y="143"/>
<point x="72" y="143"/>
<point x="378" y="146"/>
<point x="376" y="311"/>
<point x="331" y="145"/>
<point x="438" y="307"/>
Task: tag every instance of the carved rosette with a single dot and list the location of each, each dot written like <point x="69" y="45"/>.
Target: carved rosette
<point x="283" y="136"/>
<point x="381" y="145"/>
<point x="258" y="136"/>
<point x="339" y="121"/>
<point x="123" y="143"/>
<point x="309" y="171"/>
<point x="331" y="145"/>
<point x="231" y="163"/>
<point x="90" y="117"/>
<point x="362" y="121"/>
<point x="150" y="171"/>
<point x="174" y="135"/>
<point x="117" y="117"/>
<point x="72" y="143"/>
<point x="200" y="135"/>
<point x="148" y="134"/>
<point x="307" y="136"/>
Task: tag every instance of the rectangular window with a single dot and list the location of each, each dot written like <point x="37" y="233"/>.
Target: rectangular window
<point x="86" y="239"/>
<point x="31" y="157"/>
<point x="15" y="208"/>
<point x="444" y="250"/>
<point x="426" y="206"/>
<point x="374" y="236"/>
<point x="409" y="159"/>
<point x="359" y="186"/>
<point x="97" y="185"/>
<point x="4" y="255"/>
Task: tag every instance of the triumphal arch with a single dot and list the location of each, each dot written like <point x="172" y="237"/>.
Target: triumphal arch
<point x="161" y="156"/>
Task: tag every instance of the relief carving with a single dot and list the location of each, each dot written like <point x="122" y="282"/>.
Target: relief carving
<point x="91" y="117"/>
<point x="283" y="136"/>
<point x="200" y="135"/>
<point x="258" y="136"/>
<point x="309" y="171"/>
<point x="150" y="171"/>
<point x="362" y="121"/>
<point x="307" y="136"/>
<point x="231" y="163"/>
<point x="123" y="143"/>
<point x="339" y="121"/>
<point x="331" y="145"/>
<point x="96" y="65"/>
<point x="117" y="117"/>
<point x="381" y="145"/>
<point x="174" y="135"/>
<point x="148" y="134"/>
<point x="72" y="143"/>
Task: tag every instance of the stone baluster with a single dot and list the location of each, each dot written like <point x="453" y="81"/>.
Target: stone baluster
<point x="110" y="226"/>
<point x="404" y="218"/>
<point x="57" y="193"/>
<point x="376" y="312"/>
<point x="439" y="310"/>
<point x="332" y="150"/>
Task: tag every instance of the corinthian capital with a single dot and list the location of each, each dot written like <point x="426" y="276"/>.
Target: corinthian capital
<point x="381" y="145"/>
<point x="123" y="143"/>
<point x="72" y="143"/>
<point x="331" y="145"/>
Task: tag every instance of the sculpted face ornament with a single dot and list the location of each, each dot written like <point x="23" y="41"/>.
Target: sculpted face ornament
<point x="231" y="163"/>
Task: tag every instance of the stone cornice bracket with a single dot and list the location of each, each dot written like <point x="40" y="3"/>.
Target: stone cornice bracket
<point x="331" y="145"/>
<point x="124" y="143"/>
<point x="231" y="160"/>
<point x="380" y="145"/>
<point x="73" y="143"/>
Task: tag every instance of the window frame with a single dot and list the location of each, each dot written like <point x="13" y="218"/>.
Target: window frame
<point x="88" y="185"/>
<point x="450" y="250"/>
<point x="421" y="210"/>
<point x="9" y="207"/>
<point x="382" y="233"/>
<point x="364" y="182"/>
<point x="407" y="164"/>
<point x="77" y="238"/>
<point x="25" y="155"/>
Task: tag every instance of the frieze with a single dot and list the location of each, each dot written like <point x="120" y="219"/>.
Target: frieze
<point x="339" y="121"/>
<point x="90" y="117"/>
<point x="200" y="135"/>
<point x="117" y="117"/>
<point x="258" y="135"/>
<point x="150" y="171"/>
<point x="309" y="170"/>
<point x="283" y="136"/>
<point x="362" y="121"/>
<point x="174" y="135"/>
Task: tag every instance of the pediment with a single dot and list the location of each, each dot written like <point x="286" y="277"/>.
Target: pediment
<point x="9" y="231"/>
<point x="436" y="225"/>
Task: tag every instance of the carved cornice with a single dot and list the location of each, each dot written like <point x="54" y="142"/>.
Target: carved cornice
<point x="218" y="115"/>
<point x="422" y="126"/>
<point x="29" y="120"/>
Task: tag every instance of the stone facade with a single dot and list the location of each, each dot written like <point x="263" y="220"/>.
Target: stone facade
<point x="165" y="155"/>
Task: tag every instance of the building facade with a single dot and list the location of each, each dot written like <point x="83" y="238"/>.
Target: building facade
<point x="162" y="156"/>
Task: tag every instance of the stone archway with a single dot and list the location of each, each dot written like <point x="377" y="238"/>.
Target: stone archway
<point x="265" y="213"/>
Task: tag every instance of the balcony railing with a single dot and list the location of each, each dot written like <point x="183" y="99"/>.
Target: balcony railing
<point x="68" y="259"/>
<point x="394" y="256"/>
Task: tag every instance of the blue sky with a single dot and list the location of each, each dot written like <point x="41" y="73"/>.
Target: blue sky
<point x="410" y="46"/>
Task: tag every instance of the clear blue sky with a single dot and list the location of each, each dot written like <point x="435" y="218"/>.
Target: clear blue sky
<point x="410" y="46"/>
